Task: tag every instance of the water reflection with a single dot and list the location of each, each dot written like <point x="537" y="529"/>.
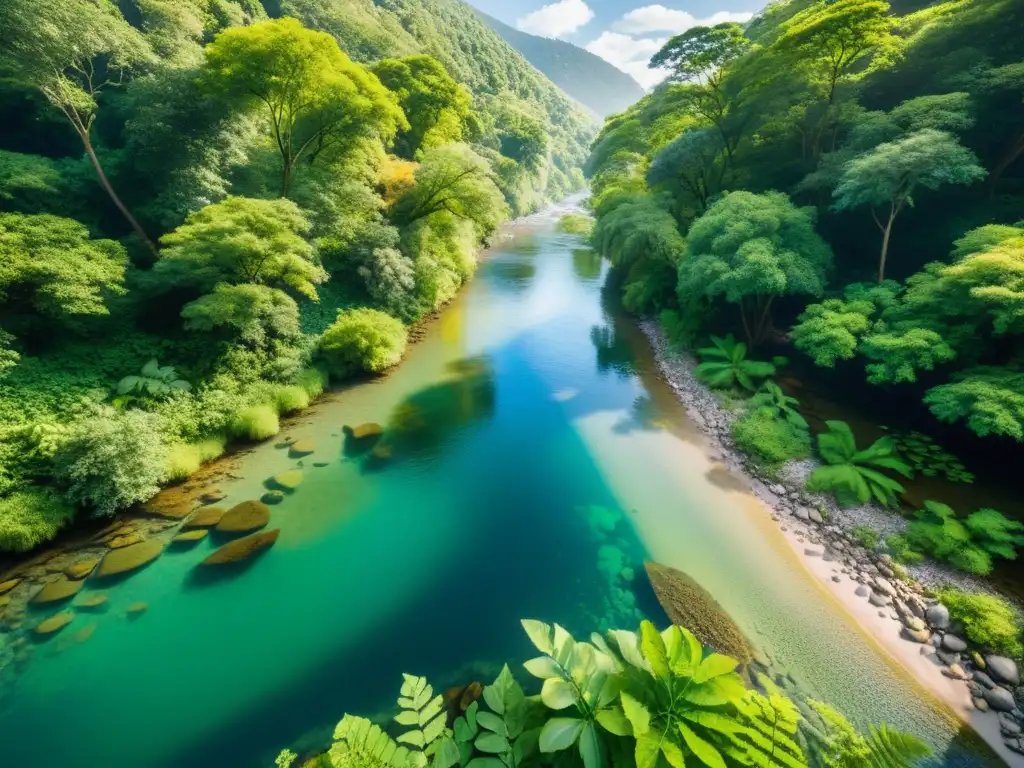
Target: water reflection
<point x="614" y="352"/>
<point x="586" y="264"/>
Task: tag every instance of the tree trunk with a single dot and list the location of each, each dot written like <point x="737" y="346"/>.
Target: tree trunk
<point x="105" y="183"/>
<point x="1015" y="150"/>
<point x="885" y="249"/>
<point x="286" y="179"/>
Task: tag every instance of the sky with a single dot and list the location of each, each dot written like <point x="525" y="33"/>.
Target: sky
<point x="625" y="33"/>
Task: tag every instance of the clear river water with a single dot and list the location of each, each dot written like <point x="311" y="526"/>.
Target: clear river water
<point x="537" y="461"/>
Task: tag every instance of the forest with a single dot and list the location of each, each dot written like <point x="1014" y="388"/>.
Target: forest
<point x="211" y="208"/>
<point x="837" y="189"/>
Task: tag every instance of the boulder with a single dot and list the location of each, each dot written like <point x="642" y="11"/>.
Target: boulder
<point x="1003" y="670"/>
<point x="172" y="511"/>
<point x="953" y="643"/>
<point x="883" y="587"/>
<point x="938" y="616"/>
<point x="212" y="496"/>
<point x="689" y="605"/>
<point x="302" y="447"/>
<point x="272" y="497"/>
<point x="1000" y="699"/>
<point x="54" y="624"/>
<point x="136" y="609"/>
<point x="815" y="516"/>
<point x="242" y="549"/>
<point x="82" y="568"/>
<point x="55" y="591"/>
<point x="862" y="591"/>
<point x="92" y="601"/>
<point x="190" y="537"/>
<point x="915" y="624"/>
<point x="879" y="601"/>
<point x="245" y="517"/>
<point x="289" y="480"/>
<point x="7" y="586"/>
<point x="916" y="635"/>
<point x="364" y="431"/>
<point x="983" y="679"/>
<point x="119" y="561"/>
<point x="956" y="672"/>
<point x="205" y="517"/>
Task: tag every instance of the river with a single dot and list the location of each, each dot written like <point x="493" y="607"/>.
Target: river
<point x="537" y="461"/>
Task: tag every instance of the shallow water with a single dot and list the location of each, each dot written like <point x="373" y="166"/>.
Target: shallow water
<point x="536" y="461"/>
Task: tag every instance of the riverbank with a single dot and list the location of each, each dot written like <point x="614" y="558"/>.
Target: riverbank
<point x="894" y="613"/>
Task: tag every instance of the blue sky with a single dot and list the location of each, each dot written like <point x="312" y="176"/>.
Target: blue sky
<point x="625" y="33"/>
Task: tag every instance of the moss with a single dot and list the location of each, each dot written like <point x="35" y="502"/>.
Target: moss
<point x="769" y="439"/>
<point x="257" y="422"/>
<point x="866" y="536"/>
<point x="30" y="518"/>
<point x="989" y="621"/>
<point x="290" y="399"/>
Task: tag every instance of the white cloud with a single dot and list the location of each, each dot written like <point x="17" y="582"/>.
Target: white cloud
<point x="557" y="19"/>
<point x="658" y="18"/>
<point x="631" y="55"/>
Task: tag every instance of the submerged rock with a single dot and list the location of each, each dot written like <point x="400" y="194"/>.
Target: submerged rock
<point x="190" y="537"/>
<point x="82" y="568"/>
<point x="56" y="591"/>
<point x="289" y="480"/>
<point x="212" y="496"/>
<point x="126" y="540"/>
<point x="54" y="624"/>
<point x="7" y="586"/>
<point x="242" y="549"/>
<point x="135" y="610"/>
<point x="245" y="517"/>
<point x="205" y="517"/>
<point x="364" y="431"/>
<point x="130" y="558"/>
<point x="272" y="497"/>
<point x="302" y="447"/>
<point x="92" y="601"/>
<point x="689" y="605"/>
<point x="84" y="633"/>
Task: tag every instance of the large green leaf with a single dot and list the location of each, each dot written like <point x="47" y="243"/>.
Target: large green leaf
<point x="636" y="713"/>
<point x="653" y="647"/>
<point x="721" y="690"/>
<point x="614" y="720"/>
<point x="705" y="751"/>
<point x="648" y="749"/>
<point x="539" y="634"/>
<point x="493" y="743"/>
<point x="590" y="747"/>
<point x="557" y="693"/>
<point x="628" y="645"/>
<point x="543" y="667"/>
<point x="559" y="733"/>
<point x="714" y="666"/>
<point x="492" y="723"/>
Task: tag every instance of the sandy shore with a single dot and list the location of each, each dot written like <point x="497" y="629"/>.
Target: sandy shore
<point x="836" y="563"/>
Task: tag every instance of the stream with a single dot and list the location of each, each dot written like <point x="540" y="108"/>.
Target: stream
<point x="537" y="461"/>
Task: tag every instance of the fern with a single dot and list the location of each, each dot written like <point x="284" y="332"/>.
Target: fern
<point x="772" y="722"/>
<point x="855" y="476"/>
<point x="968" y="544"/>
<point x="772" y="401"/>
<point x="727" y="365"/>
<point x="421" y="711"/>
<point x="883" y="747"/>
<point x="894" y="749"/>
<point x="358" y="743"/>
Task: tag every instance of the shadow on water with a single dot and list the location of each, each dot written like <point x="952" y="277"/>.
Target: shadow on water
<point x="587" y="264"/>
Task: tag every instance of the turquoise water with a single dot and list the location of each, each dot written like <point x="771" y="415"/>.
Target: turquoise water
<point x="536" y="462"/>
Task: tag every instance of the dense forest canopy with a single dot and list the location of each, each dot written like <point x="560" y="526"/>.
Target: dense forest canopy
<point x="842" y="177"/>
<point x="207" y="206"/>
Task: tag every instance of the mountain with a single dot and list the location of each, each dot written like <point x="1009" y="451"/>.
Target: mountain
<point x="603" y="89"/>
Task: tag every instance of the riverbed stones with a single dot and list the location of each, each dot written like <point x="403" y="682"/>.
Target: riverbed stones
<point x="135" y="610"/>
<point x="877" y="600"/>
<point x="289" y="480"/>
<point x="1003" y="670"/>
<point x="916" y="635"/>
<point x="244" y="518"/>
<point x="126" y="540"/>
<point x="7" y="586"/>
<point x="883" y="587"/>
<point x="364" y="431"/>
<point x="56" y="591"/>
<point x="54" y="624"/>
<point x="980" y="704"/>
<point x="815" y="516"/>
<point x="205" y="517"/>
<point x="983" y="679"/>
<point x="212" y="496"/>
<point x="999" y="699"/>
<point x="131" y="558"/>
<point x="84" y="633"/>
<point x="92" y="602"/>
<point x="955" y="672"/>
<point x="914" y="623"/>
<point x="953" y="643"/>
<point x="82" y="568"/>
<point x="689" y="605"/>
<point x="242" y="549"/>
<point x="938" y="616"/>
<point x="862" y="591"/>
<point x="812" y="552"/>
<point x="1008" y="726"/>
<point x="302" y="447"/>
<point x="272" y="497"/>
<point x="189" y="538"/>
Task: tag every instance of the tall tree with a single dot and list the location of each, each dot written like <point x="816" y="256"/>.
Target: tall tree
<point x="316" y="99"/>
<point x="73" y="50"/>
<point x="889" y="174"/>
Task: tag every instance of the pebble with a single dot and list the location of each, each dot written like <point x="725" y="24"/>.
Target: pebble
<point x="862" y="591"/>
<point x="953" y="643"/>
<point x="1000" y="699"/>
<point x="981" y="705"/>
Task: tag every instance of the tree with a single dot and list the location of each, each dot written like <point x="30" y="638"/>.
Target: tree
<point x="453" y="180"/>
<point x="436" y="106"/>
<point x="700" y="54"/>
<point x="900" y="355"/>
<point x="316" y="99"/>
<point x="72" y="51"/>
<point x="990" y="399"/>
<point x="241" y="240"/>
<point x="831" y="331"/>
<point x="693" y="164"/>
<point x="50" y="267"/>
<point x="889" y="174"/>
<point x="363" y="341"/>
<point x="249" y="313"/>
<point x="750" y="249"/>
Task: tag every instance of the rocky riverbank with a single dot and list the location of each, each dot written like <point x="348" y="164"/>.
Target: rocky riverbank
<point x="889" y="602"/>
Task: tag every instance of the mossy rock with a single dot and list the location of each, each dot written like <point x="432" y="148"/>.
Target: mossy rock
<point x="92" y="601"/>
<point x="245" y="517"/>
<point x="289" y="480"/>
<point x="54" y="624"/>
<point x="321" y="464"/>
<point x="84" y="633"/>
<point x="242" y="549"/>
<point x="212" y="496"/>
<point x="189" y="538"/>
<point x="689" y="605"/>
<point x="368" y="431"/>
<point x="135" y="610"/>
<point x="7" y="586"/>
<point x="126" y="540"/>
<point x="82" y="568"/>
<point x="177" y="511"/>
<point x="272" y="497"/>
<point x="302" y="447"/>
<point x="55" y="591"/>
<point x="205" y="517"/>
<point x="119" y="561"/>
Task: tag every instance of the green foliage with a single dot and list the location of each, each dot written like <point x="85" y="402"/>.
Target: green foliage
<point x="290" y="399"/>
<point x="363" y="341"/>
<point x="312" y="381"/>
<point x="257" y="422"/>
<point x="989" y="399"/>
<point x="929" y="458"/>
<point x="884" y="747"/>
<point x="575" y="224"/>
<point x="902" y="550"/>
<point x="774" y="440"/>
<point x="498" y="735"/>
<point x="358" y="743"/>
<point x="30" y="518"/>
<point x="699" y="53"/>
<point x="725" y="365"/>
<point x="968" y="544"/>
<point x="854" y="476"/>
<point x="113" y="460"/>
<point x="772" y="401"/>
<point x="866" y="536"/>
<point x="989" y="621"/>
<point x="423" y="714"/>
<point x="901" y="355"/>
<point x="249" y="314"/>
<point x="154" y="382"/>
<point x="831" y="331"/>
<point x="185" y="459"/>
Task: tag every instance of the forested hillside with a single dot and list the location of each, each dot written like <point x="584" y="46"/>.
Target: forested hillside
<point x="592" y="81"/>
<point x="840" y="183"/>
<point x="207" y="207"/>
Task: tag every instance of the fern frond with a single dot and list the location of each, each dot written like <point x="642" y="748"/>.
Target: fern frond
<point x="894" y="749"/>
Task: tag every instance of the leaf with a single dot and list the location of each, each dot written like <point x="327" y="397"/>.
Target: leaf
<point x="653" y="648"/>
<point x="494" y="743"/>
<point x="431" y="710"/>
<point x="485" y="762"/>
<point x="559" y="733"/>
<point x="412" y="737"/>
<point x="648" y="748"/>
<point x="704" y="750"/>
<point x="564" y="646"/>
<point x="557" y="693"/>
<point x="492" y="723"/>
<point x="720" y="690"/>
<point x="543" y="667"/>
<point x="590" y="747"/>
<point x="672" y="751"/>
<point x="714" y="666"/>
<point x="407" y="717"/>
<point x="614" y="721"/>
<point x="446" y="755"/>
<point x="628" y="647"/>
<point x="539" y="634"/>
<point x="636" y="713"/>
<point x="463" y="732"/>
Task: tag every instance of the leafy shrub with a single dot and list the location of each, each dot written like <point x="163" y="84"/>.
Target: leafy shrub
<point x="866" y="536"/>
<point x="727" y="365"/>
<point x="680" y="328"/>
<point x="258" y="422"/>
<point x="363" y="341"/>
<point x="843" y="747"/>
<point x="771" y="401"/>
<point x="575" y="224"/>
<point x="312" y="381"/>
<point x="774" y="440"/>
<point x="154" y="382"/>
<point x="290" y="399"/>
<point x="854" y="476"/>
<point x="113" y="460"/>
<point x="185" y="459"/>
<point x="968" y="544"/>
<point x="902" y="550"/>
<point x="929" y="458"/>
<point x="988" y="620"/>
<point x="30" y="518"/>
